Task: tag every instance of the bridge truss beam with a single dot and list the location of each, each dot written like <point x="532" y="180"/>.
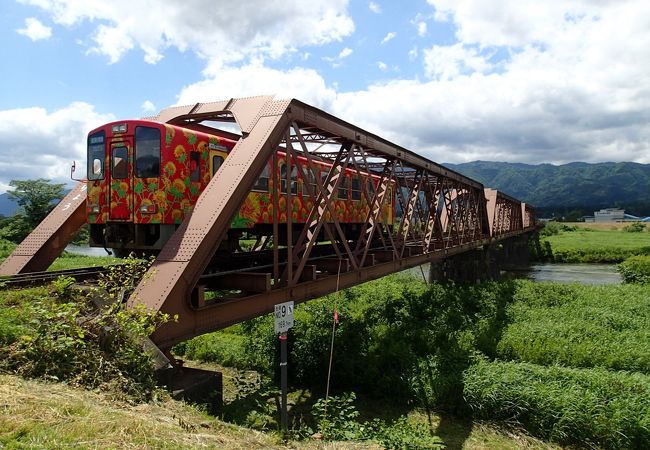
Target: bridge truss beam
<point x="443" y="213"/>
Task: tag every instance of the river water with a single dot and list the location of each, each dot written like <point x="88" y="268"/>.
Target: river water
<point x="564" y="273"/>
<point x="85" y="250"/>
<point x="572" y="273"/>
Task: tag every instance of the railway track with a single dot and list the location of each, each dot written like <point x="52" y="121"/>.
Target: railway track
<point x="34" y="278"/>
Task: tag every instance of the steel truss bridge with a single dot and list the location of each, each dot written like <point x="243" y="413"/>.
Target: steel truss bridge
<point x="443" y="214"/>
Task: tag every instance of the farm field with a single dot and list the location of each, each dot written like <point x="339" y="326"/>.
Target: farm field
<point x="573" y="243"/>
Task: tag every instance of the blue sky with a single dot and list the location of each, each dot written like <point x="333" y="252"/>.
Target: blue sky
<point x="520" y="81"/>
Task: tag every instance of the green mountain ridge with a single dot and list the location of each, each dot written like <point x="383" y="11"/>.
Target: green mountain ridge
<point x="578" y="186"/>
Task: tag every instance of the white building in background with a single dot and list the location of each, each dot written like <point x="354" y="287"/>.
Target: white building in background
<point x="609" y="215"/>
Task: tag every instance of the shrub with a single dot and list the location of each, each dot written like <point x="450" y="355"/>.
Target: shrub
<point x="635" y="269"/>
<point x="635" y="227"/>
<point x="61" y="335"/>
<point x="578" y="326"/>
<point x="337" y="419"/>
<point x="550" y="228"/>
<point x="592" y="407"/>
<point x="396" y="338"/>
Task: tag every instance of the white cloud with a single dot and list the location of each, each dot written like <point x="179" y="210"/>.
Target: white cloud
<point x="374" y="7"/>
<point x="304" y="84"/>
<point x="337" y="60"/>
<point x="448" y="62"/>
<point x="345" y="53"/>
<point x="227" y="32"/>
<point x="35" y="30"/>
<point x="422" y="29"/>
<point x="413" y="54"/>
<point x="382" y="66"/>
<point x="148" y="107"/>
<point x="35" y="143"/>
<point x="389" y="36"/>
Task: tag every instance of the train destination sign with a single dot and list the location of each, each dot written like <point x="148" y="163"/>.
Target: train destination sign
<point x="283" y="317"/>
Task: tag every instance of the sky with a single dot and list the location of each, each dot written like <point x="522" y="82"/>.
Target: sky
<point x="454" y="80"/>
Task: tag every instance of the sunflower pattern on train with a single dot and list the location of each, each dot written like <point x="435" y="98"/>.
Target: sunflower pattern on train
<point x="187" y="161"/>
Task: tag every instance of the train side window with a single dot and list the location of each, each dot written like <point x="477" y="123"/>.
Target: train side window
<point x="283" y="179"/>
<point x="343" y="188"/>
<point x="147" y="152"/>
<point x="195" y="166"/>
<point x="371" y="189"/>
<point x="356" y="188"/>
<point x="120" y="162"/>
<point x="262" y="183"/>
<point x="216" y="163"/>
<point x="310" y="179"/>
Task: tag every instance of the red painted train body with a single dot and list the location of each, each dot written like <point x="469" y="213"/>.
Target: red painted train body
<point x="144" y="178"/>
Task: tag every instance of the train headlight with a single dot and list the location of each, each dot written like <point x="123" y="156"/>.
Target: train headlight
<point x="148" y="209"/>
<point x="119" y="128"/>
<point x="94" y="209"/>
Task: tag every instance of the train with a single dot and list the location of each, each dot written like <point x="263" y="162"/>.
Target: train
<point x="144" y="178"/>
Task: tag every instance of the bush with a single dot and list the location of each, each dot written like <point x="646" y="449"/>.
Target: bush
<point x="61" y="335"/>
<point x="592" y="407"/>
<point x="635" y="269"/>
<point x="337" y="419"/>
<point x="550" y="229"/>
<point x="579" y="326"/>
<point x="396" y="338"/>
<point x="635" y="227"/>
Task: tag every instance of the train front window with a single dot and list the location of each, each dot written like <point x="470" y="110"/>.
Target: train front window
<point x="96" y="156"/>
<point x="120" y="162"/>
<point x="147" y="152"/>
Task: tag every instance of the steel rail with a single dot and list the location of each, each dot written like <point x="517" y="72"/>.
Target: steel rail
<point x="28" y="278"/>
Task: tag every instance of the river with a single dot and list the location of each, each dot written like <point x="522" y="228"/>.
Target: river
<point x="565" y="273"/>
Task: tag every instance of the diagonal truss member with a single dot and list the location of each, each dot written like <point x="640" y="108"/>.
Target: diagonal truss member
<point x="444" y="213"/>
<point x="50" y="237"/>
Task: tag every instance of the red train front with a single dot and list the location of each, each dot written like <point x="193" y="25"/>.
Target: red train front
<point x="144" y="177"/>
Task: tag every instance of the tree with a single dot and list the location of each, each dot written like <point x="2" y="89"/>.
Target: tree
<point x="36" y="197"/>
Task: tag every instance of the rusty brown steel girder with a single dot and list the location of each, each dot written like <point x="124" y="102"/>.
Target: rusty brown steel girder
<point x="50" y="237"/>
<point x="444" y="213"/>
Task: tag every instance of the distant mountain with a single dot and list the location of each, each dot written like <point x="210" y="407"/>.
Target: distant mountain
<point x="578" y="187"/>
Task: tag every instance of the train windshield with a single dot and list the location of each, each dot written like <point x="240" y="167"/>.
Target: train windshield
<point x="96" y="156"/>
<point x="147" y="152"/>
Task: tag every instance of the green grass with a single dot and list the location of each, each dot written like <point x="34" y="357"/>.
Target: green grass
<point x="579" y="326"/>
<point x="72" y="261"/>
<point x="597" y="246"/>
<point x="590" y="407"/>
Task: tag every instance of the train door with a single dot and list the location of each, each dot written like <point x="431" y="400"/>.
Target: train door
<point x="120" y="184"/>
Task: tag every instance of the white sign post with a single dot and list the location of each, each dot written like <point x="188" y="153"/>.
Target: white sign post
<point x="283" y="321"/>
<point x="283" y="317"/>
